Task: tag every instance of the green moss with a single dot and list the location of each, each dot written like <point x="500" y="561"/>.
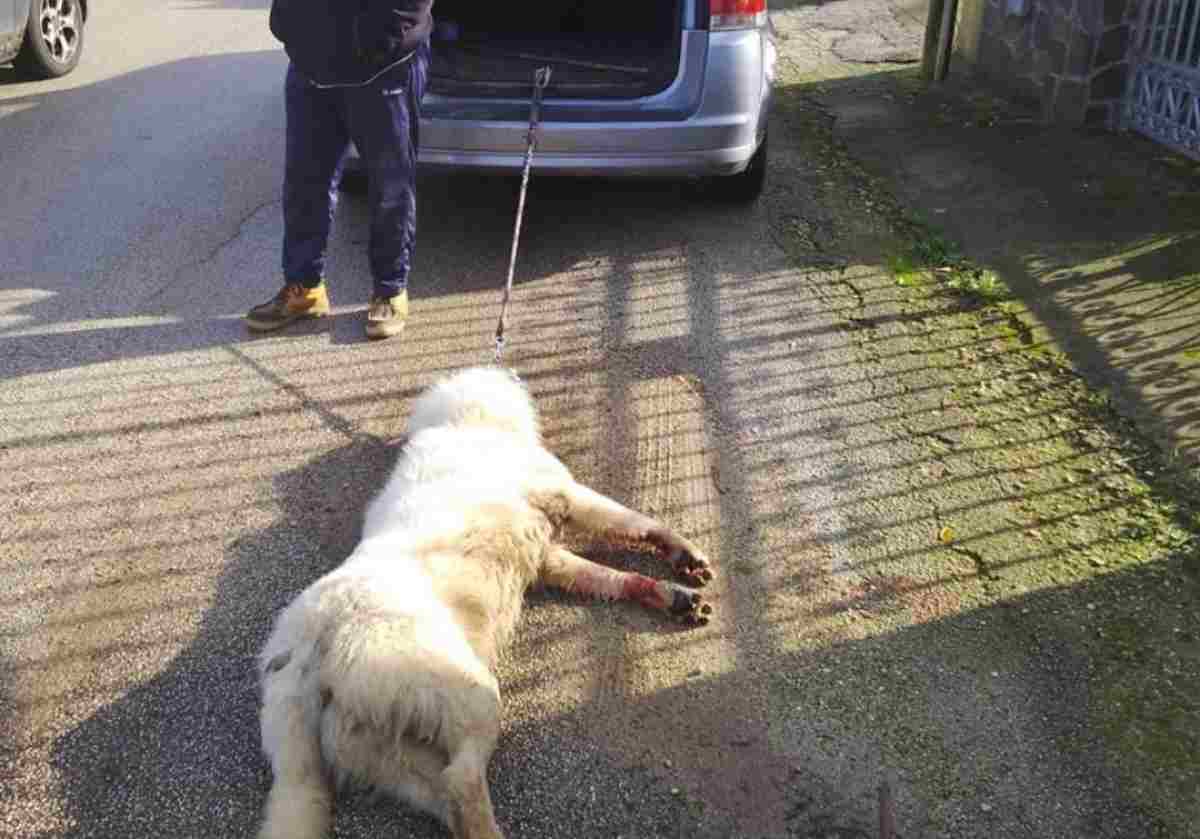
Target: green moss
<point x="905" y="270"/>
<point x="978" y="284"/>
<point x="1147" y="713"/>
<point x="1062" y="507"/>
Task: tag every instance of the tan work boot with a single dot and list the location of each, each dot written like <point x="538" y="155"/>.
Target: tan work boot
<point x="386" y="315"/>
<point x="293" y="302"/>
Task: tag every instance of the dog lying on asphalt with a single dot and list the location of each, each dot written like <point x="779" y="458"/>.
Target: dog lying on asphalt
<point x="381" y="672"/>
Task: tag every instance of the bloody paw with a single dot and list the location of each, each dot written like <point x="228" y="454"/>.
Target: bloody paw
<point x="687" y="561"/>
<point x="690" y="565"/>
<point x="687" y="605"/>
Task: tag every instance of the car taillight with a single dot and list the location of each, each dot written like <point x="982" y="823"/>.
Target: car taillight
<point x="737" y="14"/>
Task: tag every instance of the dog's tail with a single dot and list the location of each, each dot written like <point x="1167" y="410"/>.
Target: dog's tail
<point x="300" y="803"/>
<point x="477" y="396"/>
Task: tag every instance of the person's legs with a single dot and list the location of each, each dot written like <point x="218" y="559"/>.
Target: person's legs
<point x="384" y="121"/>
<point x="316" y="144"/>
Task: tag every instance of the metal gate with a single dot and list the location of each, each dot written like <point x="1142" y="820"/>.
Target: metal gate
<point x="1163" y="97"/>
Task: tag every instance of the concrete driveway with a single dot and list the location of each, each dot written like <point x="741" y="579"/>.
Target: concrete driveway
<point x="168" y="482"/>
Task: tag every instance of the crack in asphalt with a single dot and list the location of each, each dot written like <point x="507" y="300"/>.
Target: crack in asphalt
<point x="331" y="420"/>
<point x="212" y="254"/>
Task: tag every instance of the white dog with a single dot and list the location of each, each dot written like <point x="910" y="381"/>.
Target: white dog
<point x="381" y="672"/>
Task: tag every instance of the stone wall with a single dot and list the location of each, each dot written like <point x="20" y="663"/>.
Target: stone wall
<point x="1068" y="56"/>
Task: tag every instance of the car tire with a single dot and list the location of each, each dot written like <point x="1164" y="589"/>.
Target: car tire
<point x="746" y="186"/>
<point x="53" y="39"/>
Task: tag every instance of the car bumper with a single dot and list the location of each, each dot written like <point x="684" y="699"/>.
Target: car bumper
<point x="675" y="164"/>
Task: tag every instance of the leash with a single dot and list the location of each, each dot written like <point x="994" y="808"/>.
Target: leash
<point x="349" y="85"/>
<point x="541" y="78"/>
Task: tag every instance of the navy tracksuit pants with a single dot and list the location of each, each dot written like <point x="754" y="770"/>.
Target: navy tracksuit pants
<point x="382" y="120"/>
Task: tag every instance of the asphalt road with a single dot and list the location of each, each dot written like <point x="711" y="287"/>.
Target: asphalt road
<point x="168" y="482"/>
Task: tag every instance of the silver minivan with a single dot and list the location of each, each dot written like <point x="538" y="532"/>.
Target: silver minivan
<point x="659" y="88"/>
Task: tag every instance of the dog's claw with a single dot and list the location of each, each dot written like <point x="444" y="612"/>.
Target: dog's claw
<point x="694" y="569"/>
<point x="695" y="579"/>
<point x="689" y="606"/>
<point x="688" y="563"/>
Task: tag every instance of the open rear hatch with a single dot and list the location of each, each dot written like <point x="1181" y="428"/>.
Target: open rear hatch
<point x="599" y="49"/>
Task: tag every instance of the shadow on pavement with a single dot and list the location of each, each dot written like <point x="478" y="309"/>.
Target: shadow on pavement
<point x="86" y="295"/>
<point x="179" y="754"/>
<point x="1095" y="233"/>
<point x="688" y="367"/>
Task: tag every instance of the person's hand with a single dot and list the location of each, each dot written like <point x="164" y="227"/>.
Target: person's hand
<point x="378" y="34"/>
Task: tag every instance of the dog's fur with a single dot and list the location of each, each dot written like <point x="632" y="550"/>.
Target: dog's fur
<point x="381" y="672"/>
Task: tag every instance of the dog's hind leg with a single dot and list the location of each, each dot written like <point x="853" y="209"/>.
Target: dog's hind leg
<point x="590" y="511"/>
<point x="566" y="570"/>
<point x="299" y="805"/>
<point x="469" y="801"/>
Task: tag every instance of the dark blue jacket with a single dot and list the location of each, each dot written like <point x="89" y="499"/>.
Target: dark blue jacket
<point x="349" y="41"/>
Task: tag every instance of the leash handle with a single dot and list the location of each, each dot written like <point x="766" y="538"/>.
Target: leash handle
<point x="541" y="78"/>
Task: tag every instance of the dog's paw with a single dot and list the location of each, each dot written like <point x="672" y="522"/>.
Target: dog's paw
<point x="688" y="562"/>
<point x="687" y="606"/>
<point x="693" y="567"/>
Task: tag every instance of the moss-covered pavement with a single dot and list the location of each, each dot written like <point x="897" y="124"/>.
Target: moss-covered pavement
<point x="1028" y="300"/>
